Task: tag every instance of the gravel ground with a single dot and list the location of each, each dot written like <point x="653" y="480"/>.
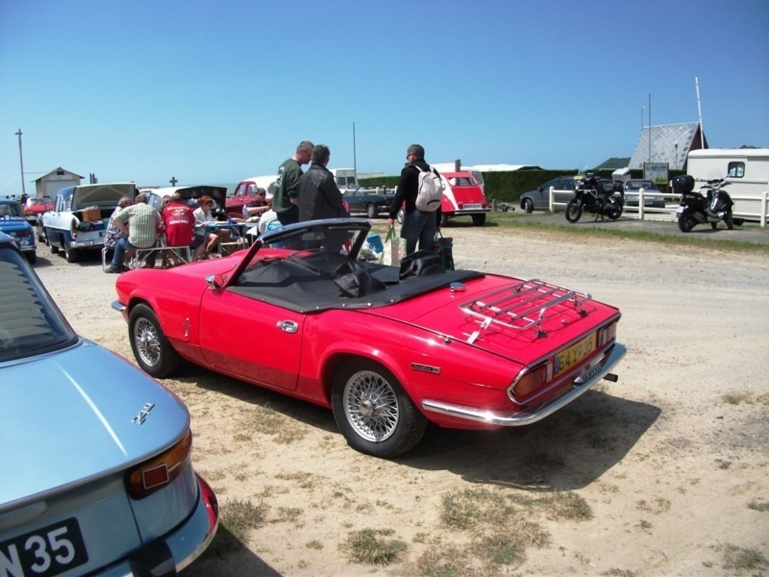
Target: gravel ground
<point x="671" y="460"/>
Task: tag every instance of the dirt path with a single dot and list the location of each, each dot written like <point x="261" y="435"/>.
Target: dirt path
<point x="671" y="461"/>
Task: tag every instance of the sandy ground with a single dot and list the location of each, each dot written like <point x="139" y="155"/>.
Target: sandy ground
<point x="672" y="459"/>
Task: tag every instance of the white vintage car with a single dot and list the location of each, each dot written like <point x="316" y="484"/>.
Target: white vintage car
<point x="80" y="216"/>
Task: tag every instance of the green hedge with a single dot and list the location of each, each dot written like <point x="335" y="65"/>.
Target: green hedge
<point x="509" y="186"/>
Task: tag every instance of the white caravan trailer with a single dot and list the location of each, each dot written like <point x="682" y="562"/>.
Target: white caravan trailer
<point x="747" y="169"/>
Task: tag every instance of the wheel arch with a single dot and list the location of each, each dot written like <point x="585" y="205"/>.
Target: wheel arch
<point x="335" y="359"/>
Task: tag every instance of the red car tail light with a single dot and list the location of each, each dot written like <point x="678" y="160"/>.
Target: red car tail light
<point x="532" y="380"/>
<point x="607" y="334"/>
<point x="161" y="470"/>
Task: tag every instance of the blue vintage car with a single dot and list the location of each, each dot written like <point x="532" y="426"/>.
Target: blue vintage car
<point x="14" y="224"/>
<point x="95" y="455"/>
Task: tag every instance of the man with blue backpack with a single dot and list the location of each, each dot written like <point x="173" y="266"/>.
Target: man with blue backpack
<point x="419" y="192"/>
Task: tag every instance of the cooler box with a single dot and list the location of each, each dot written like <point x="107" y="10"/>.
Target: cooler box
<point x="91" y="213"/>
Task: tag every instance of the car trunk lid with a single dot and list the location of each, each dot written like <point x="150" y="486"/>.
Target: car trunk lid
<point x="523" y="321"/>
<point x="84" y="427"/>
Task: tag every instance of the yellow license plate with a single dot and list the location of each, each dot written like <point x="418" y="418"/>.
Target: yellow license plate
<point x="574" y="354"/>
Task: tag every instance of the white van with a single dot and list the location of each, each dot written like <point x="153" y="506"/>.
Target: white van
<point x="747" y="169"/>
<point x="345" y="178"/>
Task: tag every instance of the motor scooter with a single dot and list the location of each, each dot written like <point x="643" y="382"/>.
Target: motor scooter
<point x="696" y="208"/>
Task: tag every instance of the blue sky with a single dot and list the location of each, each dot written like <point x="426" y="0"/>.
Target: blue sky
<point x="216" y="91"/>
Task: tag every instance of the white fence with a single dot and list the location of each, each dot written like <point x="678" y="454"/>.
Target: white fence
<point x="669" y="212"/>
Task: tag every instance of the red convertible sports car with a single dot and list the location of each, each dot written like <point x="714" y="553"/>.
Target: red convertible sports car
<point x="388" y="349"/>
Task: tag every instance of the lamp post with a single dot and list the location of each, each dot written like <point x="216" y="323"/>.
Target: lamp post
<point x="21" y="162"/>
<point x="675" y="163"/>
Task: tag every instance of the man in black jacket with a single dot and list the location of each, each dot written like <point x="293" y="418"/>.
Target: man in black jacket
<point x="319" y="196"/>
<point x="417" y="225"/>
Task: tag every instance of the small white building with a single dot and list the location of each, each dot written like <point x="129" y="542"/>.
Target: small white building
<point x="51" y="183"/>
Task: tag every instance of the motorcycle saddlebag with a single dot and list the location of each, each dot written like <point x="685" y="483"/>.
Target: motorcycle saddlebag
<point x="683" y="184"/>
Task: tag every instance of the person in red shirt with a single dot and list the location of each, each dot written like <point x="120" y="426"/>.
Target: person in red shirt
<point x="179" y="223"/>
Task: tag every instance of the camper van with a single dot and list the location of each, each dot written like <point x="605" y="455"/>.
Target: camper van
<point x="747" y="169"/>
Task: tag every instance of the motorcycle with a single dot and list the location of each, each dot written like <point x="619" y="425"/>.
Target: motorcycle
<point x="602" y="197"/>
<point x="697" y="208"/>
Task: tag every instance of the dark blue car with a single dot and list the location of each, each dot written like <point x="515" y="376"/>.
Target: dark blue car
<point x="13" y="223"/>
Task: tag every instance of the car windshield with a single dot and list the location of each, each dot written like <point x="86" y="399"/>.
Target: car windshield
<point x="30" y="323"/>
<point x="11" y="210"/>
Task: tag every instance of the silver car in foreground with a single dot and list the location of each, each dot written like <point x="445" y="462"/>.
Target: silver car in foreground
<point x="95" y="455"/>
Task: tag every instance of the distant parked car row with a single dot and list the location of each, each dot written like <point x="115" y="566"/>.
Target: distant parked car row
<point x="564" y="186"/>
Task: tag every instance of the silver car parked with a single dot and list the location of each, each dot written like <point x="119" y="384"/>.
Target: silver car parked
<point x="95" y="455"/>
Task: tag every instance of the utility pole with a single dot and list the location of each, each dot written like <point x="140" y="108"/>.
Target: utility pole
<point x="354" y="154"/>
<point x="21" y="161"/>
<point x="650" y="127"/>
<point x="173" y="181"/>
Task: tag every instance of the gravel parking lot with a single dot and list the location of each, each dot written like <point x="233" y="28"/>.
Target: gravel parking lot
<point x="671" y="461"/>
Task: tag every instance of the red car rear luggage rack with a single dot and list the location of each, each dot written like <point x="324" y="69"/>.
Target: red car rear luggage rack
<point x="523" y="306"/>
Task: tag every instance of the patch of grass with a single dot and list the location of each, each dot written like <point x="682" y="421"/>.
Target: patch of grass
<point x="304" y="479"/>
<point x="736" y="398"/>
<point x="739" y="558"/>
<point x="239" y="517"/>
<point x="656" y="507"/>
<point x="289" y="515"/>
<point x="466" y="508"/>
<point x="507" y="220"/>
<point x="265" y="421"/>
<point x="315" y="544"/>
<point x="372" y="547"/>
<point x="614" y="572"/>
<point x="566" y="505"/>
<point x="759" y="506"/>
<point x="503" y="548"/>
<point x="447" y="561"/>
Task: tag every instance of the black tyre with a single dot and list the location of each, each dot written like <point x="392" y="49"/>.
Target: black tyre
<point x="685" y="223"/>
<point x="150" y="346"/>
<point x="714" y="225"/>
<point x="373" y="412"/>
<point x="617" y="212"/>
<point x="527" y="205"/>
<point x="479" y="219"/>
<point x="574" y="210"/>
<point x="371" y="211"/>
<point x="31" y="257"/>
<point x="70" y="253"/>
<point x="444" y="219"/>
<point x="729" y="220"/>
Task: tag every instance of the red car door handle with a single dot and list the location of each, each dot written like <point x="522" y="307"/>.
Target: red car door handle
<point x="287" y="326"/>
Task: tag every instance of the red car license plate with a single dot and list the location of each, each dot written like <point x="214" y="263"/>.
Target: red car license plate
<point x="569" y="357"/>
<point x="44" y="552"/>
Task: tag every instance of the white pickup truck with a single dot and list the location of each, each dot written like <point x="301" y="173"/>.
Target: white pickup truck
<point x="80" y="216"/>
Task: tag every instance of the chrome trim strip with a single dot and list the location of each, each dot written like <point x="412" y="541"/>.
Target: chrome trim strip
<point x="537" y="412"/>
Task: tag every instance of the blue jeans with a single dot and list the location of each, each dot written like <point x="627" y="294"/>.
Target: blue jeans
<point x="120" y="249"/>
<point x="418" y="226"/>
